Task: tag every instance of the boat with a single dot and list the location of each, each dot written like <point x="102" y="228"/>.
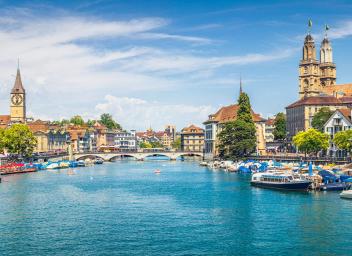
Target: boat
<point x="52" y="166"/>
<point x="346" y="194"/>
<point x="64" y="164"/>
<point x="17" y="168"/>
<point x="98" y="161"/>
<point x="335" y="186"/>
<point x="203" y="163"/>
<point x="157" y="171"/>
<point x="281" y="181"/>
<point x="81" y="163"/>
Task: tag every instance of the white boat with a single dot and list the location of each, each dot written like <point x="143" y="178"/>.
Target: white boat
<point x="52" y="166"/>
<point x="203" y="163"/>
<point x="346" y="194"/>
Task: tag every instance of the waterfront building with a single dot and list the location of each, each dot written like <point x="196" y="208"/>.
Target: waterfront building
<point x="82" y="138"/>
<point x="163" y="137"/>
<point x="192" y="139"/>
<point x="226" y="114"/>
<point x="269" y="129"/>
<point x="317" y="86"/>
<point x="300" y="113"/>
<point x="340" y="120"/>
<point x="49" y="137"/>
<point x="125" y="140"/>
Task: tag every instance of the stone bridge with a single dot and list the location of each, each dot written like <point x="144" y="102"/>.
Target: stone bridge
<point x="137" y="155"/>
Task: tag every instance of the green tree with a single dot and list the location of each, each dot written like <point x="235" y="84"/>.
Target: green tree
<point x="145" y="144"/>
<point x="343" y="140"/>
<point x="18" y="139"/>
<point x="320" y="118"/>
<point x="77" y="120"/>
<point x="176" y="144"/>
<point x="90" y="123"/>
<point x="107" y="120"/>
<point x="2" y="140"/>
<point x="280" y="127"/>
<point x="156" y="144"/>
<point x="311" y="141"/>
<point x="237" y="139"/>
<point x="64" y="122"/>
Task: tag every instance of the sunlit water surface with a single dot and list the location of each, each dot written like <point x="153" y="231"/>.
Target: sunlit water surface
<point x="124" y="208"/>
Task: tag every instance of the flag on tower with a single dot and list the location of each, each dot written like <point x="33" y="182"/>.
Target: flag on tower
<point x="310" y="23"/>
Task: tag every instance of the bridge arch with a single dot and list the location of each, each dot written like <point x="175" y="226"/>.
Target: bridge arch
<point x="90" y="156"/>
<point x="122" y="155"/>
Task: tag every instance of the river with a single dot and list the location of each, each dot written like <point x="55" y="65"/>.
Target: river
<point x="124" y="208"/>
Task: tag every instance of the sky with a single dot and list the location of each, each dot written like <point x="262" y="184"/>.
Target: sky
<point x="152" y="63"/>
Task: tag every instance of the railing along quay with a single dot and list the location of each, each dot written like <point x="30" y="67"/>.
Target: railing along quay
<point x="284" y="158"/>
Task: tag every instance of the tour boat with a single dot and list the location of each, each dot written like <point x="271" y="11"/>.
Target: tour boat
<point x="346" y="194"/>
<point x="279" y="181"/>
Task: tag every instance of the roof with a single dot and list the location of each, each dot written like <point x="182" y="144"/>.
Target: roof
<point x="229" y="113"/>
<point x="5" y="119"/>
<point x="270" y="121"/>
<point x="317" y="100"/>
<point x="339" y="89"/>
<point x="38" y="125"/>
<point x="192" y="129"/>
<point x="18" y="87"/>
<point x="346" y="113"/>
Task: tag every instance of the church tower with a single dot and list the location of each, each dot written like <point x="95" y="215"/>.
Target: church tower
<point x="309" y="71"/>
<point x="18" y="100"/>
<point x="327" y="67"/>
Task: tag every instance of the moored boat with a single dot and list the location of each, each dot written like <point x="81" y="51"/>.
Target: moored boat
<point x="99" y="161"/>
<point x="346" y="194"/>
<point x="280" y="181"/>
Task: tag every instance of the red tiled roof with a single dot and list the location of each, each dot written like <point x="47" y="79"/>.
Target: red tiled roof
<point x="192" y="129"/>
<point x="229" y="113"/>
<point x="270" y="121"/>
<point x="346" y="113"/>
<point x="317" y="100"/>
<point x="5" y="119"/>
<point x="342" y="89"/>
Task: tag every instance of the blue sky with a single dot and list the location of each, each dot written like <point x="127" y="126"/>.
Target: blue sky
<point x="150" y="63"/>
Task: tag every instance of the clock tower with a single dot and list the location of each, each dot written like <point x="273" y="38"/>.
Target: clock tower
<point x="18" y="101"/>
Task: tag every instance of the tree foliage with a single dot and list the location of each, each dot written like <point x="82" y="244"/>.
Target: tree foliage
<point x="311" y="141"/>
<point x="77" y="120"/>
<point x="176" y="144"/>
<point x="145" y="144"/>
<point x="107" y="120"/>
<point x="320" y="118"/>
<point x="280" y="126"/>
<point x="18" y="139"/>
<point x="343" y="140"/>
<point x="238" y="138"/>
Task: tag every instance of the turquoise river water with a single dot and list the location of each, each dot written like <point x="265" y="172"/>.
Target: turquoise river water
<point x="124" y="208"/>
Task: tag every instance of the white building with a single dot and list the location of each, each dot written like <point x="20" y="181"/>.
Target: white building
<point x="126" y="140"/>
<point x="340" y="120"/>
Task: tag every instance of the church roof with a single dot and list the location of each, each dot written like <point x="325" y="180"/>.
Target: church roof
<point x="309" y="38"/>
<point x="18" y="87"/>
<point x="317" y="100"/>
<point x="339" y="89"/>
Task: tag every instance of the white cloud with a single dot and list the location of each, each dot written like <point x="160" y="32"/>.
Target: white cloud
<point x="140" y="114"/>
<point x="68" y="63"/>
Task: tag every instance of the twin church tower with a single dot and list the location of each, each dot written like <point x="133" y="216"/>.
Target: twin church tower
<point x="316" y="77"/>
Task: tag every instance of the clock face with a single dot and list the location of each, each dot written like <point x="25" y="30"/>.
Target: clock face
<point x="17" y="99"/>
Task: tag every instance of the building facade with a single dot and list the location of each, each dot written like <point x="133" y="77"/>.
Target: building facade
<point x="300" y="113"/>
<point x="18" y="101"/>
<point x="214" y="125"/>
<point x="340" y="120"/>
<point x="192" y="139"/>
<point x="125" y="140"/>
